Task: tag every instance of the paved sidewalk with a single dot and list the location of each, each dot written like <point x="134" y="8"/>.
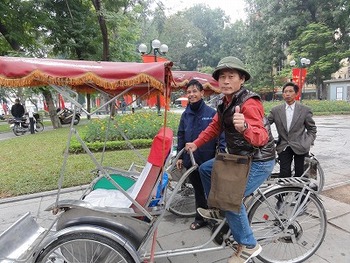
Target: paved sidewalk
<point x="174" y="231"/>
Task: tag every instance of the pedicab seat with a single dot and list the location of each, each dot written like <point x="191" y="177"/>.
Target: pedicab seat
<point x="105" y="194"/>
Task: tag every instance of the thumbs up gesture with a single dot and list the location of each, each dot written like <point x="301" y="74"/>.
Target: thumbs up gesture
<point x="239" y="120"/>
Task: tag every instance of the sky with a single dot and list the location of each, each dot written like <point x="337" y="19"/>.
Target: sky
<point x="232" y="8"/>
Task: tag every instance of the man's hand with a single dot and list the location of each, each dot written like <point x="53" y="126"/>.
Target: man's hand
<point x="179" y="164"/>
<point x="190" y="146"/>
<point x="239" y="121"/>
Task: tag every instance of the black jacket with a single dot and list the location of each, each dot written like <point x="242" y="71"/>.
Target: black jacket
<point x="236" y="143"/>
<point x="192" y="123"/>
<point x="17" y="110"/>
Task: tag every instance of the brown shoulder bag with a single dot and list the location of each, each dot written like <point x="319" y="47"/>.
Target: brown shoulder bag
<point x="228" y="181"/>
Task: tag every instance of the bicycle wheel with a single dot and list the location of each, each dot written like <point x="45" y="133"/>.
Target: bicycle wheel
<point x="84" y="247"/>
<point x="39" y="126"/>
<point x="288" y="231"/>
<point x="18" y="131"/>
<point x="314" y="172"/>
<point x="183" y="204"/>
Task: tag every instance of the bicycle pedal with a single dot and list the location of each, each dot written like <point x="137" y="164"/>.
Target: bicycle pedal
<point x="211" y="224"/>
<point x="219" y="238"/>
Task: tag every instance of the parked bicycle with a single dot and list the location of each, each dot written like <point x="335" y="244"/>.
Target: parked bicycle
<point x="184" y="203"/>
<point x="297" y="224"/>
<point x="312" y="170"/>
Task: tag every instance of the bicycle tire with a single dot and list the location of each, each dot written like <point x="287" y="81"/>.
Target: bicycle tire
<point x="317" y="178"/>
<point x="17" y="130"/>
<point x="82" y="247"/>
<point x="39" y="126"/>
<point x="291" y="234"/>
<point x="183" y="204"/>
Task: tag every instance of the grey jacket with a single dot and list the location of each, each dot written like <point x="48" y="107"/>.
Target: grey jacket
<point x="302" y="133"/>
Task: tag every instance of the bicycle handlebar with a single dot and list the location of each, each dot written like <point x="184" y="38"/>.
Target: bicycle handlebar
<point x="173" y="163"/>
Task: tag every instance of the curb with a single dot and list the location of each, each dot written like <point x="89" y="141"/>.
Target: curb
<point x="41" y="194"/>
<point x="335" y="185"/>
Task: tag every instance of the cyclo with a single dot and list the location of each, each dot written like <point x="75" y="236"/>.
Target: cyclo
<point x="115" y="223"/>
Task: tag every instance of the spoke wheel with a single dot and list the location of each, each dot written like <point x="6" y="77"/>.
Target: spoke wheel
<point x="183" y="204"/>
<point x="82" y="248"/>
<point x="287" y="231"/>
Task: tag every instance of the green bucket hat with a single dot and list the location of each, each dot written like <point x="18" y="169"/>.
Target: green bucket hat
<point x="230" y="63"/>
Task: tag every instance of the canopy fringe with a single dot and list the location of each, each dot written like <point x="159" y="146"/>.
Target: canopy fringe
<point x="38" y="78"/>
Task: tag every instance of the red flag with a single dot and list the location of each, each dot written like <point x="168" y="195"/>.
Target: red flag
<point x="46" y="108"/>
<point x="152" y="101"/>
<point x="61" y="102"/>
<point x="299" y="76"/>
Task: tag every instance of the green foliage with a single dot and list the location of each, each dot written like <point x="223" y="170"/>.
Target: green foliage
<point x="308" y="26"/>
<point x="140" y="125"/>
<point x="98" y="146"/>
<point x="328" y="107"/>
<point x="316" y="42"/>
<point x="319" y="107"/>
<point x="197" y="37"/>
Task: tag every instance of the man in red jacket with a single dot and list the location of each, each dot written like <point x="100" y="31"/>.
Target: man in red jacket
<point x="240" y="114"/>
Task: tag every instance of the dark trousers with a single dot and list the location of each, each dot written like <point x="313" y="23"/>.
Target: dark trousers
<point x="199" y="194"/>
<point x="286" y="158"/>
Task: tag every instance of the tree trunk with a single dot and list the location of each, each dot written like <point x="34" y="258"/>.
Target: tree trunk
<point x="103" y="27"/>
<point x="52" y="109"/>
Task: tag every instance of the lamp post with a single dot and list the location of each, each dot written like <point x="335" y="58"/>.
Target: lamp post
<point x="301" y="64"/>
<point x="156" y="48"/>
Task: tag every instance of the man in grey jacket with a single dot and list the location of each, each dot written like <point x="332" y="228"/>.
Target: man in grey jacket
<point x="296" y="131"/>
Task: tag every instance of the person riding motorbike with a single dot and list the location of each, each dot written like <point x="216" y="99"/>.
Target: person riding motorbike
<point x="17" y="110"/>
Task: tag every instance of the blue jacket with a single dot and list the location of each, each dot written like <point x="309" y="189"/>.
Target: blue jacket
<point x="192" y="123"/>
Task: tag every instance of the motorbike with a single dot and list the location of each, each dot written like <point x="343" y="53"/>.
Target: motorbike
<point x="22" y="125"/>
<point x="65" y="115"/>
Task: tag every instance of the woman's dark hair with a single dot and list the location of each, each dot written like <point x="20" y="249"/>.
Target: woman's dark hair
<point x="195" y="83"/>
<point x="292" y="84"/>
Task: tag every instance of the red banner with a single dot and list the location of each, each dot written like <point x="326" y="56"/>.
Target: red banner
<point x="299" y="75"/>
<point x="152" y="58"/>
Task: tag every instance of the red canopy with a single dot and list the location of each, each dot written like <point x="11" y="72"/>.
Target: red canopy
<point x="112" y="77"/>
<point x="81" y="75"/>
<point x="181" y="78"/>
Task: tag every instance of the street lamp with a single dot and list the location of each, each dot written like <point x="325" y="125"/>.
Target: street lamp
<point x="300" y="71"/>
<point x="157" y="48"/>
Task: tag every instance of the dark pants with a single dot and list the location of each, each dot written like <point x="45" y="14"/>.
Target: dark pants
<point x="199" y="195"/>
<point x="286" y="158"/>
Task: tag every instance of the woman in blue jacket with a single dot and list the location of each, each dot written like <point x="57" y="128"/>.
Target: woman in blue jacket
<point x="195" y="119"/>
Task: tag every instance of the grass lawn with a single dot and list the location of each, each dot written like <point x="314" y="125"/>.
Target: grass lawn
<point x="33" y="163"/>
